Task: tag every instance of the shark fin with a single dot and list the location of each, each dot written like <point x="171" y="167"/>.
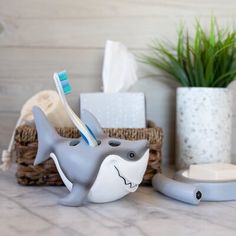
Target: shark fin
<point x="91" y="121"/>
<point x="76" y="197"/>
<point x="47" y="136"/>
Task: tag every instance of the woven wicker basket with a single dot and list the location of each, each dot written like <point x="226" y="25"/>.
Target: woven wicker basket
<point x="46" y="173"/>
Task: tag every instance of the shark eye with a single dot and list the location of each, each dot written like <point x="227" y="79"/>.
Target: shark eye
<point x="131" y="155"/>
<point x="114" y="143"/>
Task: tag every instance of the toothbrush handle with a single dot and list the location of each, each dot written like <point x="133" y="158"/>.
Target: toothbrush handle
<point x="74" y="118"/>
<point x="81" y="126"/>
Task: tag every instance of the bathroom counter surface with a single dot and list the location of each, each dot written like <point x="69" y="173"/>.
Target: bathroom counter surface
<point x="34" y="211"/>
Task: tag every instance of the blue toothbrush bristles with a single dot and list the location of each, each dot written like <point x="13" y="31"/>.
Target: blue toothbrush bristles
<point x="64" y="82"/>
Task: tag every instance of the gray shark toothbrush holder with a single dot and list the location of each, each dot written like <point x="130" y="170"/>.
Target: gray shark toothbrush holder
<point x="98" y="174"/>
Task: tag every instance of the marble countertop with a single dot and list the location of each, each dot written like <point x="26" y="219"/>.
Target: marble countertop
<point x="34" y="211"/>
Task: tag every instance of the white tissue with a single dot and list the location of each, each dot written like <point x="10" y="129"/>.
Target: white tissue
<point x="114" y="108"/>
<point x="119" y="68"/>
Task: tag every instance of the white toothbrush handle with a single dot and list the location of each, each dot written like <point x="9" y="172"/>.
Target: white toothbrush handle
<point x="81" y="126"/>
<point x="74" y="118"/>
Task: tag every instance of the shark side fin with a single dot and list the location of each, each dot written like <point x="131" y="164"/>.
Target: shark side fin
<point x="91" y="121"/>
<point x="47" y="135"/>
<point x="76" y="197"/>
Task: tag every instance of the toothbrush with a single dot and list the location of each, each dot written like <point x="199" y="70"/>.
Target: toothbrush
<point x="64" y="88"/>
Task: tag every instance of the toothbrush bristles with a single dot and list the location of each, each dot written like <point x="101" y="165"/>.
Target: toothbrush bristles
<point x="64" y="82"/>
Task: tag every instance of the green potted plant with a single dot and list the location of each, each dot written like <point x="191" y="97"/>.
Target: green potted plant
<point x="204" y="66"/>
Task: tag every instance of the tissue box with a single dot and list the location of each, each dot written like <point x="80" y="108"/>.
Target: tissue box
<point x="26" y="145"/>
<point x="116" y="110"/>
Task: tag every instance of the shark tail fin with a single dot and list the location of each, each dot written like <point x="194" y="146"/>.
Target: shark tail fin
<point x="47" y="136"/>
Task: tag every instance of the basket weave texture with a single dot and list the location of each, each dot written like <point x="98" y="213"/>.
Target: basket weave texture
<point x="26" y="145"/>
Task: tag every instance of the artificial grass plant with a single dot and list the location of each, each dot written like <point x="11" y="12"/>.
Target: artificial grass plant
<point x="206" y="60"/>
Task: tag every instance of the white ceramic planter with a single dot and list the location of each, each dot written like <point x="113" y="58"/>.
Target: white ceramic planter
<point x="204" y="120"/>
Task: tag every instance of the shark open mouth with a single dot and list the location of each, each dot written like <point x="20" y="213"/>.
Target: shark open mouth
<point x="126" y="181"/>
